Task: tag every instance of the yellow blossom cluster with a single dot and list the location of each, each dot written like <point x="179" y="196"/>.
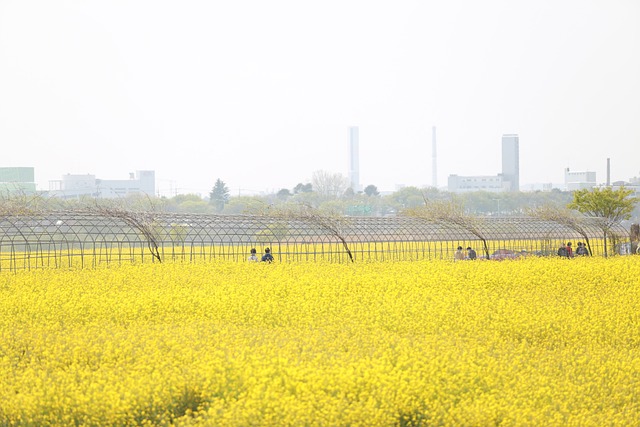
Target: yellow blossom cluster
<point x="538" y="341"/>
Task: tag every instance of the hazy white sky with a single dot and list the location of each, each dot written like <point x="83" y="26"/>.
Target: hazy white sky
<point x="261" y="93"/>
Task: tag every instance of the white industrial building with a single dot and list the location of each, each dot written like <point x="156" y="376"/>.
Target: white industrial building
<point x="463" y="184"/>
<point x="508" y="180"/>
<point x="17" y="180"/>
<point x="579" y="180"/>
<point x="73" y="186"/>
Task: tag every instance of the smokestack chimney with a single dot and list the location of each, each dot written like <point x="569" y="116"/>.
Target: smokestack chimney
<point x="434" y="158"/>
<point x="354" y="158"/>
<point x="608" y="171"/>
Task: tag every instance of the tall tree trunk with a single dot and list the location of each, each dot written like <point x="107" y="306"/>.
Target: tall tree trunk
<point x="486" y="249"/>
<point x="590" y="252"/>
<point x="346" y="248"/>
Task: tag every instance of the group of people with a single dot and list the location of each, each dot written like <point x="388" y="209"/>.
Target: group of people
<point x="460" y="255"/>
<point x="566" y="250"/>
<point x="267" y="257"/>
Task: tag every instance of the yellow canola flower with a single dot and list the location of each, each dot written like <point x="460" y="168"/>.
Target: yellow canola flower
<point x="529" y="342"/>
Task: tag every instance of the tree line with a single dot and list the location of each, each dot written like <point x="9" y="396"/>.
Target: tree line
<point x="326" y="192"/>
<point x="329" y="211"/>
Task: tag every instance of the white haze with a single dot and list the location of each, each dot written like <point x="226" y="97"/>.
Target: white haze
<point x="261" y="93"/>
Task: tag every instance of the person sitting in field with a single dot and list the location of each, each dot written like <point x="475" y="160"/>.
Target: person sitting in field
<point x="253" y="257"/>
<point x="459" y="255"/>
<point x="562" y="251"/>
<point x="267" y="257"/>
<point x="582" y="250"/>
<point x="471" y="254"/>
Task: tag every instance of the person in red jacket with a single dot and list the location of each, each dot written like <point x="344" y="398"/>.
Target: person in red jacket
<point x="569" y="250"/>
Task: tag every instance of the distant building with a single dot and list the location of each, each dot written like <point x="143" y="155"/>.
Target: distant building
<point x="74" y="186"/>
<point x="463" y="184"/>
<point x="616" y="185"/>
<point x="511" y="161"/>
<point x="508" y="180"/>
<point x="579" y="180"/>
<point x="14" y="180"/>
<point x="434" y="159"/>
<point x="354" y="158"/>
<point x="537" y="186"/>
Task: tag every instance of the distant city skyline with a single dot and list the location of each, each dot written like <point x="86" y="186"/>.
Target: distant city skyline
<point x="261" y="94"/>
<point x="173" y="187"/>
<point x="21" y="179"/>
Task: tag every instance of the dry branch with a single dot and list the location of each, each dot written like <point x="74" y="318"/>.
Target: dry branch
<point x="144" y="222"/>
<point x="450" y="213"/>
<point x="563" y="217"/>
<point x="332" y="223"/>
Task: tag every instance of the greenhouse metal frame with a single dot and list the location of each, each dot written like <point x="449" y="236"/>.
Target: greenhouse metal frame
<point x="89" y="239"/>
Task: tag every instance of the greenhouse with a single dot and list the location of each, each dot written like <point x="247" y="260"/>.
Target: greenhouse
<point x="90" y="239"/>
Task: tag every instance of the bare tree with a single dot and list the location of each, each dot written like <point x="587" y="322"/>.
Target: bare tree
<point x="329" y="184"/>
<point x="34" y="204"/>
<point x="330" y="222"/>
<point x="143" y="221"/>
<point x="565" y="217"/>
<point x="19" y="203"/>
<point x="449" y="212"/>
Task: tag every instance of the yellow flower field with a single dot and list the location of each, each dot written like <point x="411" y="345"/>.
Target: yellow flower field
<point x="542" y="341"/>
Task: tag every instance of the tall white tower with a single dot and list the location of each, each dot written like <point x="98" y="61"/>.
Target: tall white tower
<point x="354" y="161"/>
<point x="511" y="160"/>
<point x="434" y="161"/>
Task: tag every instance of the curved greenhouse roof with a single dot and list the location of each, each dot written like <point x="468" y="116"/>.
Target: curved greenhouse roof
<point x="24" y="239"/>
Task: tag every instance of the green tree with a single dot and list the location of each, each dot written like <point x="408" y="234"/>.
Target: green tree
<point x="181" y="198"/>
<point x="407" y="197"/>
<point x="303" y="188"/>
<point x="608" y="205"/>
<point x="187" y="203"/>
<point x="284" y="194"/>
<point x="247" y="205"/>
<point x="219" y="195"/>
<point x="192" y="206"/>
<point x="371" y="190"/>
<point x="349" y="193"/>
